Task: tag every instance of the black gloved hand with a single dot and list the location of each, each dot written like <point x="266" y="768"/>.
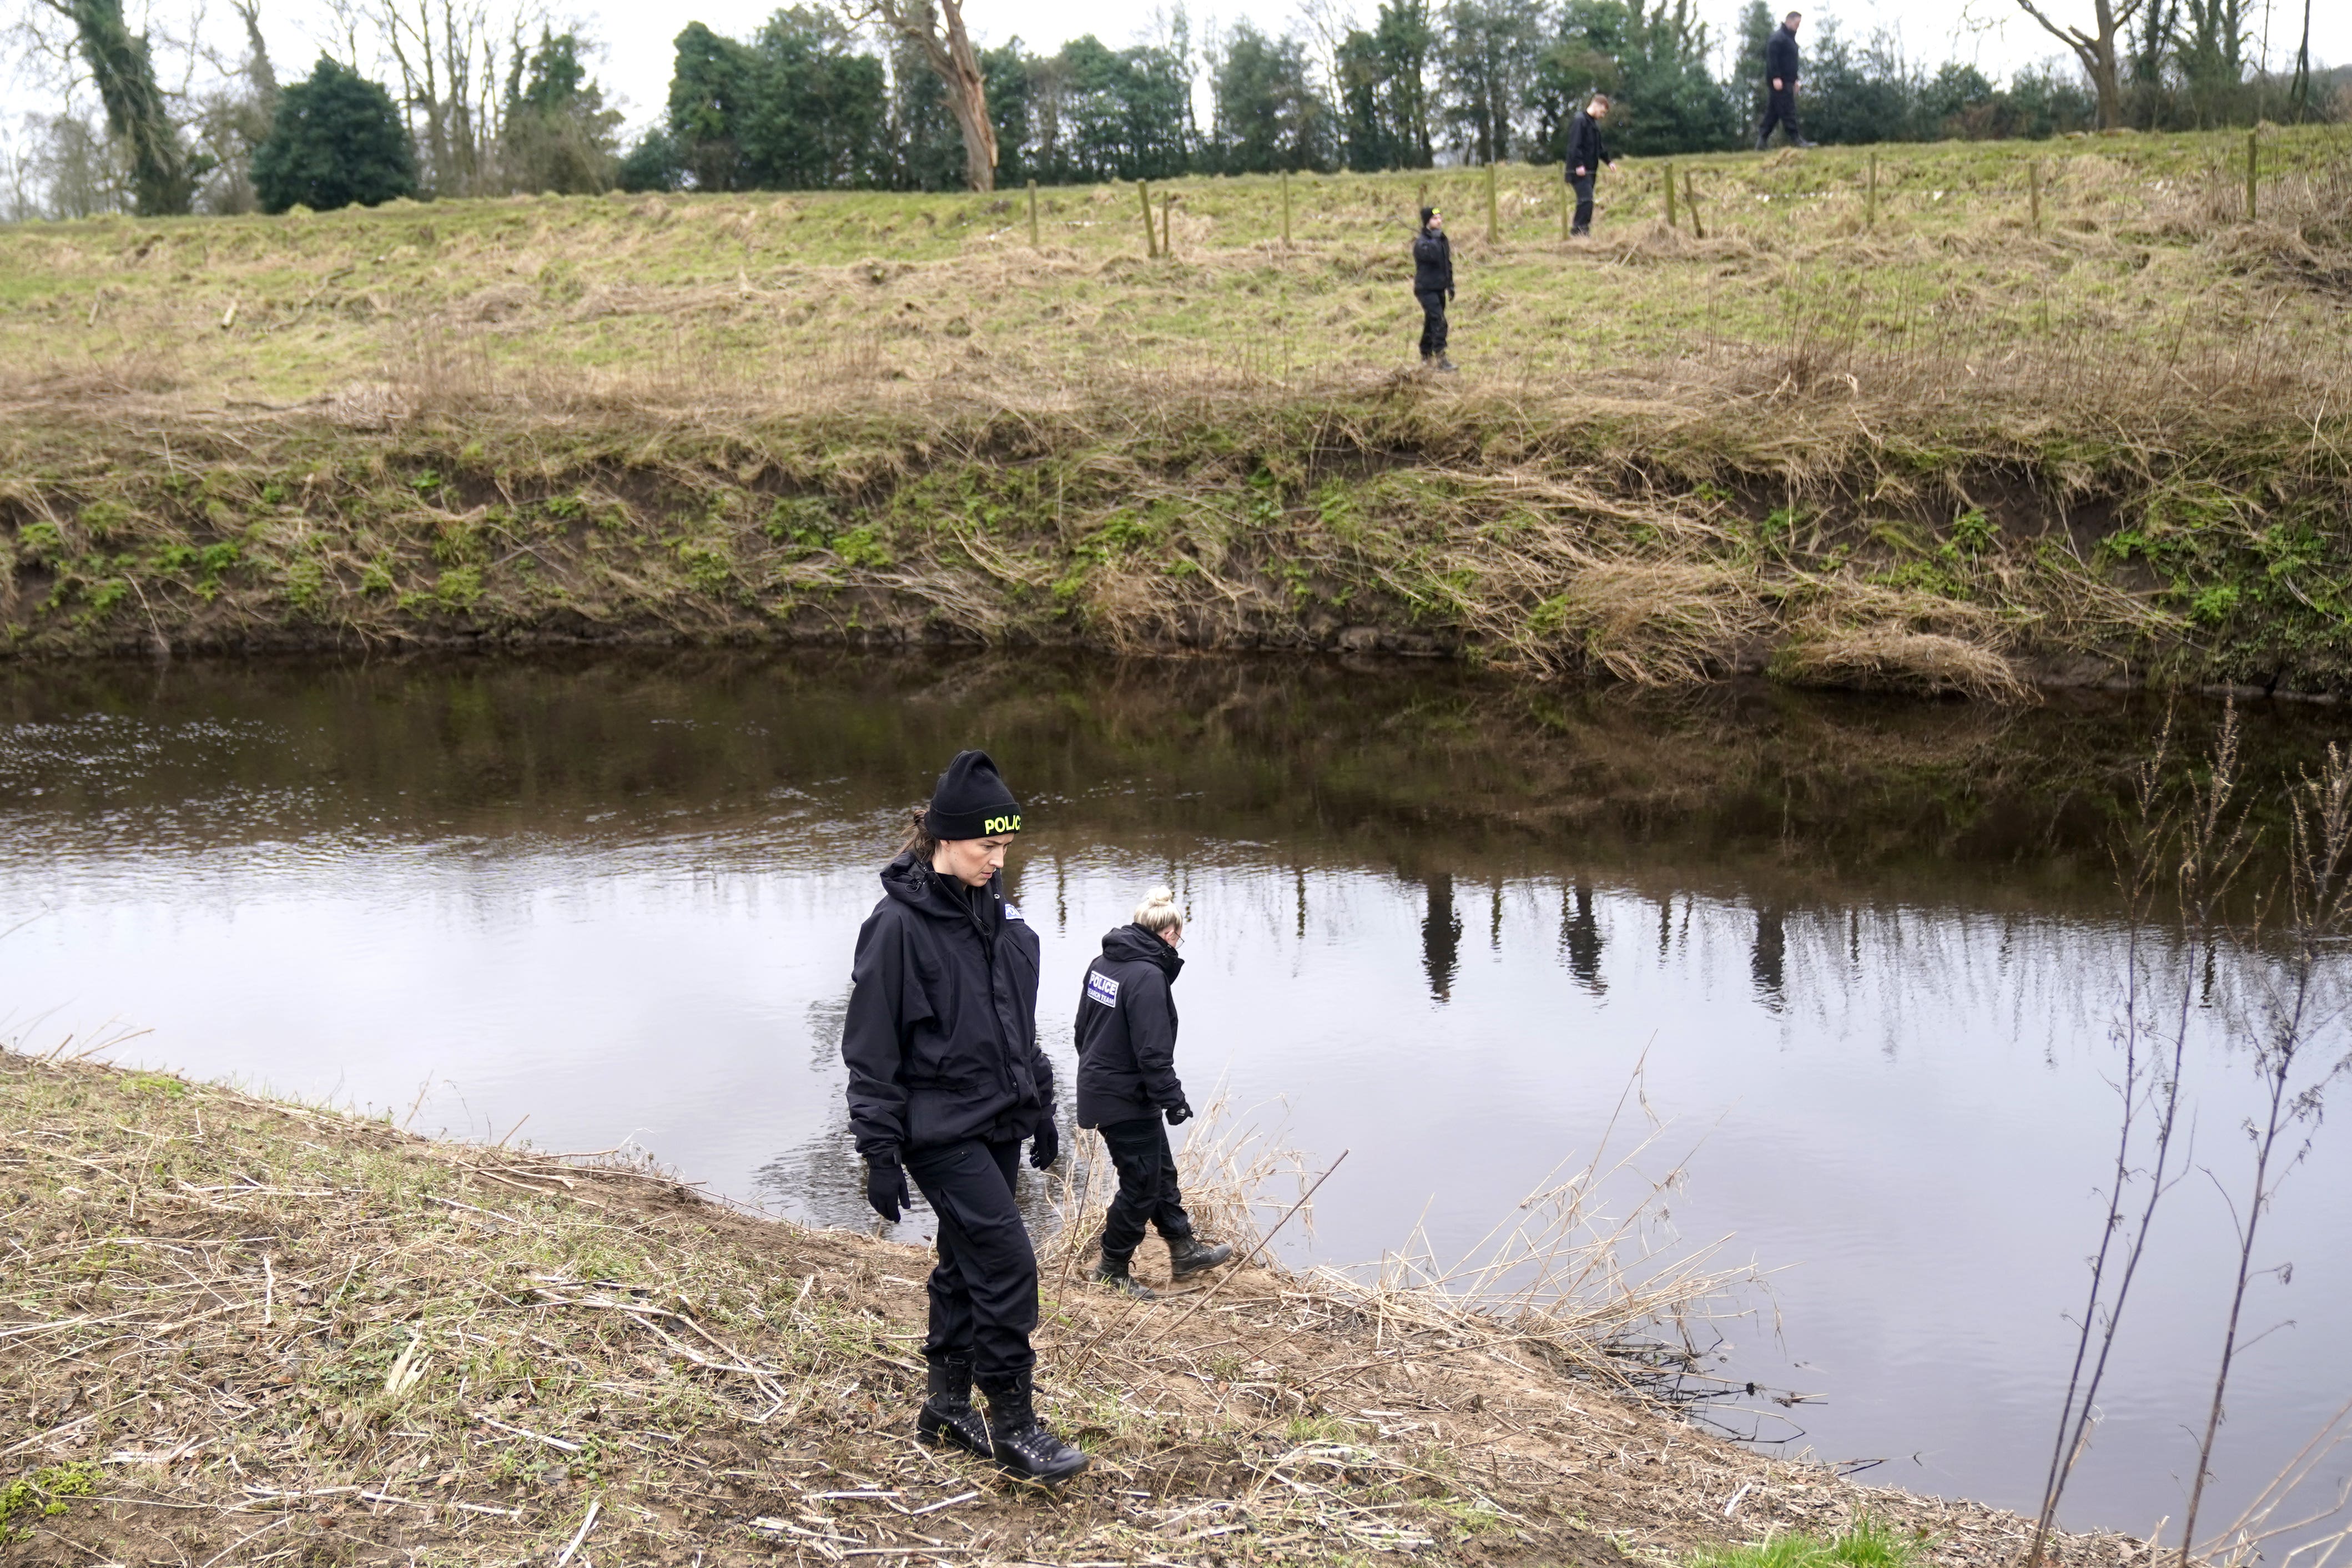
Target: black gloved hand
<point x="1047" y="1147"/>
<point x="1179" y="1113"/>
<point x="886" y="1187"/>
<point x="1449" y="294"/>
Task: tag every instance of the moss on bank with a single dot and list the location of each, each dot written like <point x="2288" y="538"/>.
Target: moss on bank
<point x="1657" y="541"/>
<point x="242" y="1326"/>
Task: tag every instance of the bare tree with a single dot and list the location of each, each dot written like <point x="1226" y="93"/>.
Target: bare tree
<point x="2297" y="1050"/>
<point x="2096" y="49"/>
<point x="2190" y="853"/>
<point x="451" y="57"/>
<point x="938" y="30"/>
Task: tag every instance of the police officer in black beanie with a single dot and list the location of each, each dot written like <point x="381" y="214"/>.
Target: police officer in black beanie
<point x="945" y="1080"/>
<point x="1432" y="285"/>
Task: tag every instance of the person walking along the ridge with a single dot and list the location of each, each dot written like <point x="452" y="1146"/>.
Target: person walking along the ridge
<point x="1432" y="285"/>
<point x="1781" y="66"/>
<point x="1585" y="157"/>
<point x="945" y="1081"/>
<point x="1128" y="1082"/>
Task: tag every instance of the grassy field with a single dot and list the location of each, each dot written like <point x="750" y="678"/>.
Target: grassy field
<point x="243" y="1330"/>
<point x="1916" y="440"/>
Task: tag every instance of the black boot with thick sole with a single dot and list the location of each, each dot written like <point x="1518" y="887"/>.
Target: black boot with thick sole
<point x="948" y="1417"/>
<point x="1111" y="1273"/>
<point x="1187" y="1257"/>
<point x="1025" y="1447"/>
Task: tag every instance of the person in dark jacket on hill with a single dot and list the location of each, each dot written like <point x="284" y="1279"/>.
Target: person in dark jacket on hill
<point x="945" y="1081"/>
<point x="1128" y="1083"/>
<point x="1781" y="83"/>
<point x="1432" y="285"/>
<point x="1585" y="157"/>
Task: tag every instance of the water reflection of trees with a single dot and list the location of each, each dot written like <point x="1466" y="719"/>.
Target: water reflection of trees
<point x="1399" y="768"/>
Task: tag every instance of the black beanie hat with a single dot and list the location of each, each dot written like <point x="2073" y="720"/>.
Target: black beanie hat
<point x="1427" y="214"/>
<point x="971" y="800"/>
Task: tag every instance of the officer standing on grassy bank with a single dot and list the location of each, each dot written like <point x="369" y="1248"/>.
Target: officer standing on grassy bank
<point x="1585" y="157"/>
<point x="1432" y="285"/>
<point x="1128" y="1082"/>
<point x="945" y="1081"/>
<point x="1781" y="65"/>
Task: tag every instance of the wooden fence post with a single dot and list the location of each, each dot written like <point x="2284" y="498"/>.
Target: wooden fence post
<point x="1670" y="196"/>
<point x="1870" y="208"/>
<point x="1494" y="226"/>
<point x="1286" y="209"/>
<point x="1567" y="200"/>
<point x="2033" y="173"/>
<point x="1033" y="214"/>
<point x="1150" y="236"/>
<point x="1167" y="224"/>
<point x="1690" y="200"/>
<point x="2254" y="169"/>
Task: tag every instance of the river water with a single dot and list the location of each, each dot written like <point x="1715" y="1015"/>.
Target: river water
<point x="1864" y="957"/>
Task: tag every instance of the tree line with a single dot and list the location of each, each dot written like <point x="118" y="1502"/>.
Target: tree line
<point x="809" y="100"/>
<point x="892" y="95"/>
<point x="416" y="98"/>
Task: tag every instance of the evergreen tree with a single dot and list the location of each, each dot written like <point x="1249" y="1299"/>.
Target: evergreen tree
<point x="336" y="140"/>
<point x="927" y="143"/>
<point x="1007" y="75"/>
<point x="1120" y="113"/>
<point x="558" y="135"/>
<point x="801" y="107"/>
<point x="1268" y="115"/>
<point x="1488" y="67"/>
<point x="1383" y="89"/>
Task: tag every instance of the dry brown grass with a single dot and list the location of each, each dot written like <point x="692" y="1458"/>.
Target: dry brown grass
<point x="244" y="1329"/>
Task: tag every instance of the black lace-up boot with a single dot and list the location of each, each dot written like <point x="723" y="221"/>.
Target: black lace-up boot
<point x="1111" y="1273"/>
<point x="1187" y="1257"/>
<point x="1023" y="1445"/>
<point x="947" y="1415"/>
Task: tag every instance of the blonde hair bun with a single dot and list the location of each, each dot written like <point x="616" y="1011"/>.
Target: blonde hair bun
<point x="1158" y="912"/>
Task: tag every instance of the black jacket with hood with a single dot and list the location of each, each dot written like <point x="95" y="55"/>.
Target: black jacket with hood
<point x="942" y="1036"/>
<point x="1781" y="57"/>
<point x="1432" y="262"/>
<point x="1585" y="151"/>
<point x="1127" y="1029"/>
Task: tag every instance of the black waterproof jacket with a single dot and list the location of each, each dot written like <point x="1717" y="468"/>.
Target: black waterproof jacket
<point x="1584" y="149"/>
<point x="942" y="1036"/>
<point x="1780" y="57"/>
<point x="1432" y="263"/>
<point x="1127" y="1029"/>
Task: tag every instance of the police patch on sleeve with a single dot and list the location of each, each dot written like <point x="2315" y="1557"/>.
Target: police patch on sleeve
<point x="1101" y="988"/>
<point x="1012" y="911"/>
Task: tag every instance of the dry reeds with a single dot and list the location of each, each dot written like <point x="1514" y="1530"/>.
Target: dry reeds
<point x="232" y="1320"/>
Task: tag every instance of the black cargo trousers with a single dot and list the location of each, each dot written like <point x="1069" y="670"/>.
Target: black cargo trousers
<point x="1148" y="1193"/>
<point x="984" y="1291"/>
<point x="1433" y="336"/>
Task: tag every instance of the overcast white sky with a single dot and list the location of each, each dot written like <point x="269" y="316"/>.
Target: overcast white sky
<point x="1992" y="34"/>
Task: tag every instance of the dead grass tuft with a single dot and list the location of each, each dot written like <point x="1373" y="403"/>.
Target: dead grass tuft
<point x="1894" y="657"/>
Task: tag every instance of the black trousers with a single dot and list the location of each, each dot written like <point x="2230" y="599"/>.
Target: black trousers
<point x="1582" y="185"/>
<point x="984" y="1289"/>
<point x="1779" y="109"/>
<point x="1146" y="1184"/>
<point x="1433" y="337"/>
